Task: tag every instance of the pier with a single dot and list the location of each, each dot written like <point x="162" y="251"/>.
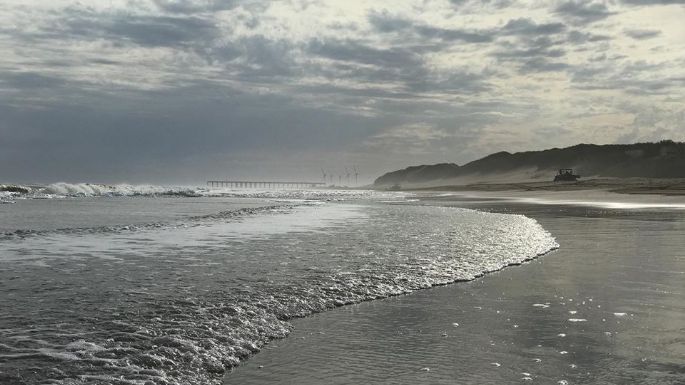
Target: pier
<point x="255" y="184"/>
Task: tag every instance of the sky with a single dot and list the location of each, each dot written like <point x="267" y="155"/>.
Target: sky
<point x="180" y="91"/>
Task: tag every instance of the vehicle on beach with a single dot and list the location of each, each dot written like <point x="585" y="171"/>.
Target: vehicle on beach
<point x="566" y="175"/>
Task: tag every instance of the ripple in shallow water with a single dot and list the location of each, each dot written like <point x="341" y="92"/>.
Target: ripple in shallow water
<point x="181" y="305"/>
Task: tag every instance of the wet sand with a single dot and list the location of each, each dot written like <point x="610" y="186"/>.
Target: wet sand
<point x="608" y="307"/>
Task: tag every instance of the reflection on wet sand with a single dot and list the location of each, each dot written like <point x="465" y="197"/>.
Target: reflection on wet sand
<point x="605" y="308"/>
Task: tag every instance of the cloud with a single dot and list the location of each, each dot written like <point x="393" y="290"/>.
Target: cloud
<point x="386" y="23"/>
<point x="542" y="65"/>
<point x="262" y="58"/>
<point x="583" y="11"/>
<point x="191" y="6"/>
<point x="355" y="51"/>
<point x="481" y="3"/>
<point x="140" y="89"/>
<point x="526" y="26"/>
<point x="29" y="80"/>
<point x="151" y="31"/>
<point x="578" y="37"/>
<point x="413" y="138"/>
<point x="453" y="34"/>
<point x="642" y="34"/>
<point x="653" y="2"/>
<point x="540" y="48"/>
<point x="538" y="54"/>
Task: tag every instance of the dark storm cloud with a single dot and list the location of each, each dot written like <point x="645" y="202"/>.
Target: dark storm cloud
<point x="191" y="6"/>
<point x="452" y="83"/>
<point x="583" y="11"/>
<point x="534" y="47"/>
<point x="29" y="80"/>
<point x="364" y="63"/>
<point x="160" y="129"/>
<point x="534" y="54"/>
<point x="111" y="92"/>
<point x="579" y="37"/>
<point x="653" y="2"/>
<point x="584" y="74"/>
<point x="525" y="26"/>
<point x="493" y="3"/>
<point x="534" y="42"/>
<point x="401" y="66"/>
<point x="259" y="57"/>
<point x="366" y="74"/>
<point x="453" y="34"/>
<point x="636" y="86"/>
<point x="142" y="30"/>
<point x="384" y="22"/>
<point x="118" y="28"/>
<point x="105" y="62"/>
<point x="347" y="96"/>
<point x="355" y="51"/>
<point x="643" y="34"/>
<point x="458" y="2"/>
<point x="538" y="64"/>
<point x="626" y="77"/>
<point x="408" y="83"/>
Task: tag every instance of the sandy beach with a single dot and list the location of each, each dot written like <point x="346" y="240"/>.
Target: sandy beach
<point x="606" y="308"/>
<point x="512" y="184"/>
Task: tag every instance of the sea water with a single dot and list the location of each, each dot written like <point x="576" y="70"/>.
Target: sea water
<point x="167" y="288"/>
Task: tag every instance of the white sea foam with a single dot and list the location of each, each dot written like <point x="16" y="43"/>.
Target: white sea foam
<point x="64" y="190"/>
<point x="181" y="304"/>
<point x="90" y="189"/>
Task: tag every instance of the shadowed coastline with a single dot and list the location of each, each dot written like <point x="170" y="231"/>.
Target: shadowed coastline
<point x="653" y="168"/>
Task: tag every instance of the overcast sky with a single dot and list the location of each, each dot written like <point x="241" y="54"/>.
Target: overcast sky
<point x="180" y="91"/>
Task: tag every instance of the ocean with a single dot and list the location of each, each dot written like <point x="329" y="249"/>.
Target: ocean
<point x="162" y="285"/>
<point x="607" y="307"/>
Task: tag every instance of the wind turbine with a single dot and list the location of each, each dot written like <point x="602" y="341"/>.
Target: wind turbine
<point x="324" y="176"/>
<point x="347" y="176"/>
<point x="356" y="175"/>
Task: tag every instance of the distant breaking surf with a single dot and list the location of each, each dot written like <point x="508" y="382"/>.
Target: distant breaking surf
<point x="70" y="190"/>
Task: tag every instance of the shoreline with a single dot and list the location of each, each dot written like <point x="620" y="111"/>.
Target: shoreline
<point x="315" y="345"/>
<point x="630" y="186"/>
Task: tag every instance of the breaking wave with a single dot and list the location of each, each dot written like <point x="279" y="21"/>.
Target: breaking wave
<point x="70" y="190"/>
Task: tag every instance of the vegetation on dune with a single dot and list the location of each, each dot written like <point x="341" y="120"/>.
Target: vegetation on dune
<point x="664" y="159"/>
